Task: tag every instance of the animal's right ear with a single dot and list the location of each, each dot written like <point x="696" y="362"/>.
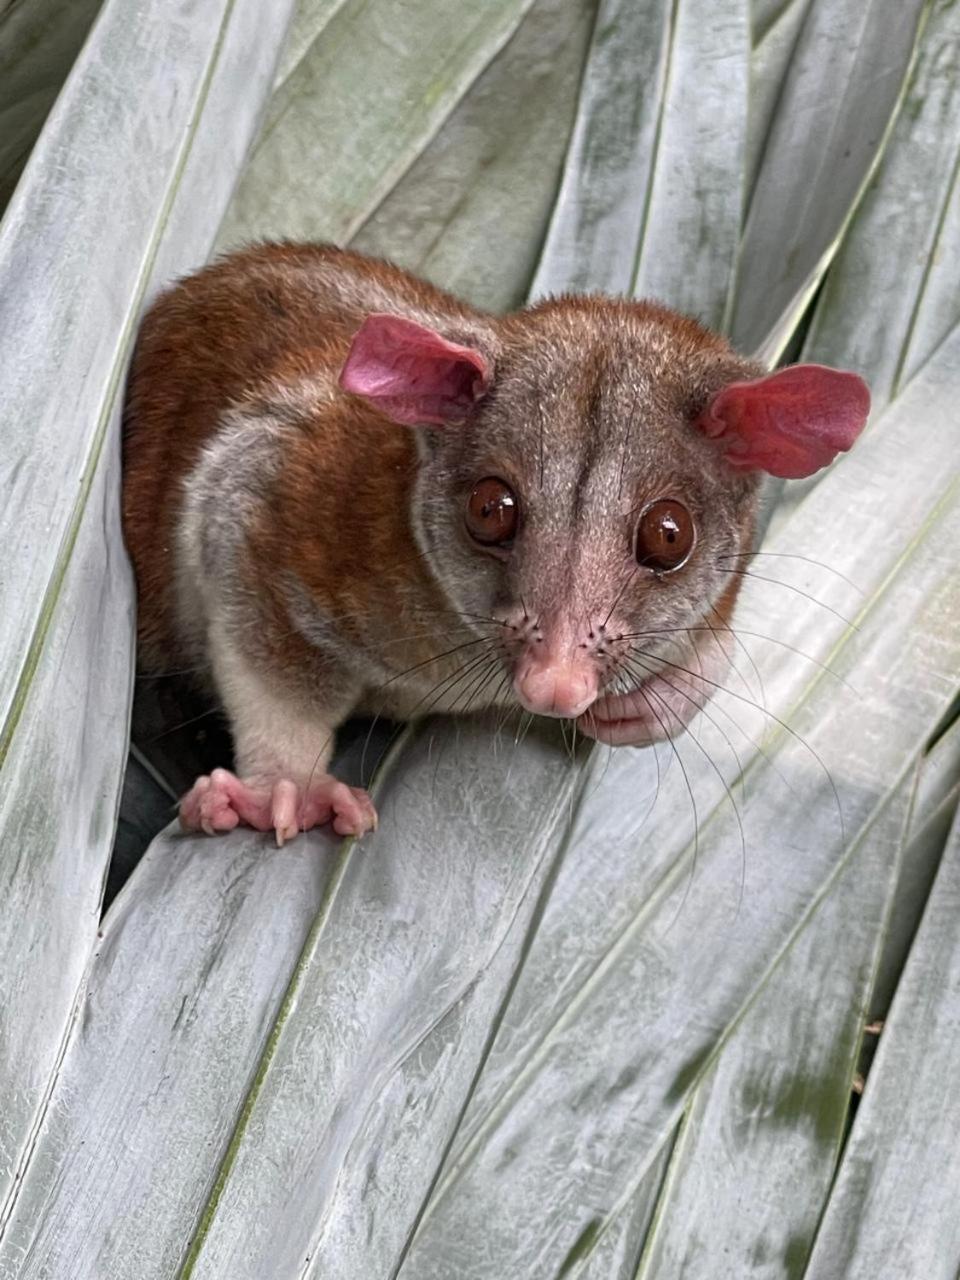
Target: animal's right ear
<point x="413" y="374"/>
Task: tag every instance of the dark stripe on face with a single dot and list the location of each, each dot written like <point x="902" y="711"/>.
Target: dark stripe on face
<point x="592" y="437"/>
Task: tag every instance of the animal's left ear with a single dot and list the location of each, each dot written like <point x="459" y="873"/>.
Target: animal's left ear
<point x="413" y="374"/>
<point x="790" y="423"/>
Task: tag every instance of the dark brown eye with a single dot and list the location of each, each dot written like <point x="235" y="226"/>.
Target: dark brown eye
<point x="492" y="512"/>
<point x="665" y="535"/>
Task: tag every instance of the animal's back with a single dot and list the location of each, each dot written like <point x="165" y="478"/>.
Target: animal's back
<point x="290" y="312"/>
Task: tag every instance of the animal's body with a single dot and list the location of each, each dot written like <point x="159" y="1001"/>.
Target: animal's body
<point x="345" y="490"/>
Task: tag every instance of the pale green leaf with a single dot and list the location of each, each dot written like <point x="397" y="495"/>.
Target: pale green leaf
<point x="903" y="248"/>
<point x="59" y="790"/>
<point x="138" y="122"/>
<point x="359" y="102"/>
<point x="937" y="789"/>
<point x="309" y="23"/>
<point x="903" y="245"/>
<point x="776" y="28"/>
<point x="839" y="99"/>
<point x="761" y="1136"/>
<point x="473" y="209"/>
<point x="651" y="197"/>
<point x="38" y="43"/>
<point x="611" y="1250"/>
<point x="410" y="962"/>
<point x="174" y="1021"/>
<point x="766" y="14"/>
<point x="892" y="1213"/>
<point x="422" y="950"/>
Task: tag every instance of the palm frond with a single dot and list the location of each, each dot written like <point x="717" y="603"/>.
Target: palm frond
<point x="570" y="1013"/>
<point x="137" y="129"/>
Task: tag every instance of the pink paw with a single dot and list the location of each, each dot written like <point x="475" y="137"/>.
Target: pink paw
<point x="223" y="801"/>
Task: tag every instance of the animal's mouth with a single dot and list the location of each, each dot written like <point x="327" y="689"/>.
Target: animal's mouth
<point x="555" y="679"/>
<point x="658" y="708"/>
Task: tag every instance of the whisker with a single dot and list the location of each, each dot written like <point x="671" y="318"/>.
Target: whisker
<point x="778" y="582"/>
<point x="468" y="644"/>
<point x="710" y="760"/>
<point x="772" y="716"/>
<point x="184" y="724"/>
<point x="378" y="715"/>
<point x="652" y="670"/>
<point x="733" y="631"/>
<point x="756" y="635"/>
<point x="603" y="774"/>
<point x="446" y="685"/>
<point x="571" y="746"/>
<point x="693" y="803"/>
<point x="485" y="662"/>
<point x="493" y="696"/>
<point x="476" y="617"/>
<point x="486" y="674"/>
<point x="508" y="712"/>
<point x="481" y="676"/>
<point x="507" y="709"/>
<point x="624" y="685"/>
<point x="630" y="578"/>
<point x="491" y="645"/>
<point x="313" y="769"/>
<point x="717" y="705"/>
<point x="149" y="676"/>
<point x="421" y="635"/>
<point x="743" y="648"/>
<point x="794" y="555"/>
<point x="524" y="727"/>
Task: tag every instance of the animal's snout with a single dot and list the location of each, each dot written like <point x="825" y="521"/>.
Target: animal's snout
<point x="555" y="688"/>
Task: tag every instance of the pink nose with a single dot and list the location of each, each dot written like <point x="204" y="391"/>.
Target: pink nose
<point x="555" y="688"/>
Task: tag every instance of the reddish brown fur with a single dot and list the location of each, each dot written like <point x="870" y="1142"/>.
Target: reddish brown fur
<point x="283" y="337"/>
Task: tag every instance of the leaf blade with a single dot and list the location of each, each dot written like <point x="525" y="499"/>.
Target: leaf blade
<point x="375" y="54"/>
<point x="818" y="158"/>
<point x="902" y="1153"/>
<point x="678" y="74"/>
<point x="66" y="629"/>
<point x="904" y="242"/>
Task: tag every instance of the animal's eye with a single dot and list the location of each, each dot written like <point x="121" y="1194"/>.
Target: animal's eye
<point x="665" y="535"/>
<point x="493" y="512"/>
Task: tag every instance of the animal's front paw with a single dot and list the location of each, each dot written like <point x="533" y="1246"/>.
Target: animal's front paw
<point x="222" y="801"/>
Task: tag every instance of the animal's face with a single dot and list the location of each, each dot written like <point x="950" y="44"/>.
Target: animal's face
<point x="574" y="507"/>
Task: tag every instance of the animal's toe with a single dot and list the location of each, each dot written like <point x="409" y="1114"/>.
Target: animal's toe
<point x="190" y="815"/>
<point x="284" y="811"/>
<point x="353" y="811"/>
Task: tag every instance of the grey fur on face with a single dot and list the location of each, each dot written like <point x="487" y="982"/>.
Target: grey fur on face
<point x="585" y="451"/>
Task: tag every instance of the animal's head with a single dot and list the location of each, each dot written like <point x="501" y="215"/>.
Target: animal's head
<point x="589" y="480"/>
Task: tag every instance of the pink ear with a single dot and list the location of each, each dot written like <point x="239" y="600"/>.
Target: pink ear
<point x="411" y="373"/>
<point x="792" y="422"/>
